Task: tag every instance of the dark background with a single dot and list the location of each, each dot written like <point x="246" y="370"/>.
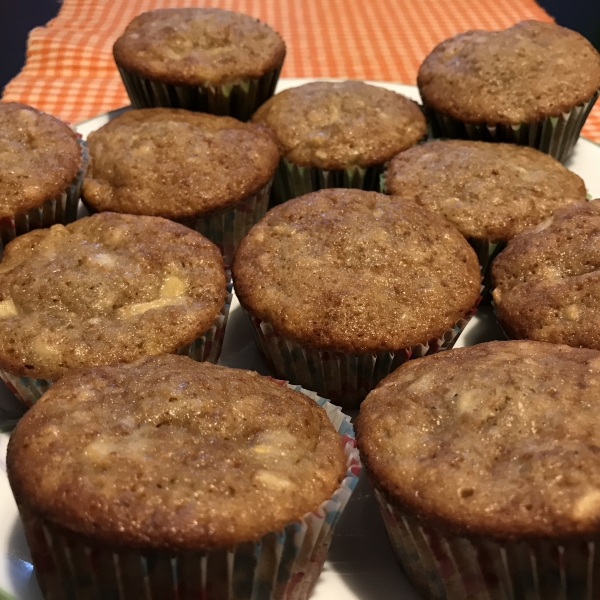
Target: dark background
<point x="18" y="17"/>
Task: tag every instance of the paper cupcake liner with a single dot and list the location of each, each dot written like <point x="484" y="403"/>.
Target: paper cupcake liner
<point x="281" y="565"/>
<point x="553" y="135"/>
<point x="344" y="378"/>
<point x="62" y="209"/>
<point x="239" y="99"/>
<point x="206" y="347"/>
<point x="450" y="567"/>
<point x="227" y="228"/>
<point x="292" y="180"/>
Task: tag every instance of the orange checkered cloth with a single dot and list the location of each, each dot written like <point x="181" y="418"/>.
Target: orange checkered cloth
<point x="70" y="71"/>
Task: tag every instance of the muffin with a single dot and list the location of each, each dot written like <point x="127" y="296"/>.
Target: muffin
<point x="344" y="285"/>
<point x="547" y="283"/>
<point x="106" y="289"/>
<point x="42" y="162"/>
<point x="138" y="479"/>
<point x="210" y="173"/>
<point x="532" y="84"/>
<point x="202" y="59"/>
<point x="485" y="465"/>
<point x="337" y="135"/>
<point x="490" y="192"/>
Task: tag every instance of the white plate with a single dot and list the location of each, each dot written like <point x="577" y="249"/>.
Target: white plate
<point x="360" y="563"/>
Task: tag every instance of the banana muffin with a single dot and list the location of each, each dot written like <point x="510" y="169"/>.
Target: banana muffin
<point x="210" y="173"/>
<point x="486" y="467"/>
<point x="42" y="163"/>
<point x="177" y="474"/>
<point x="338" y="134"/>
<point x="547" y="281"/>
<point x="343" y="285"/>
<point x="490" y="192"/>
<point x="108" y="288"/>
<point x="533" y="84"/>
<point x="203" y="59"/>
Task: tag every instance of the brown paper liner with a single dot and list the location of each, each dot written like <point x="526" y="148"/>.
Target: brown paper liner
<point x="281" y="565"/>
<point x="206" y="347"/>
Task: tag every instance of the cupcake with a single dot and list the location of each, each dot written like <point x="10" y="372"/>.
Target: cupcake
<point x="490" y="192"/>
<point x="42" y="162"/>
<point x="202" y="59"/>
<point x="106" y="289"/>
<point x="211" y="173"/>
<point x="547" y="283"/>
<point x="532" y="84"/>
<point x="337" y="135"/>
<point x="343" y="285"/>
<point x="484" y="462"/>
<point x="170" y="478"/>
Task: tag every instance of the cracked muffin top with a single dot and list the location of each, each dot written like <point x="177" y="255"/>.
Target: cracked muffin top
<point x="195" y="45"/>
<point x="525" y="73"/>
<point x="355" y="271"/>
<point x="336" y="125"/>
<point x="489" y="191"/>
<point x="547" y="281"/>
<point x="108" y="288"/>
<point x="39" y="158"/>
<point x="175" y="163"/>
<point x="499" y="439"/>
<point x="169" y="453"/>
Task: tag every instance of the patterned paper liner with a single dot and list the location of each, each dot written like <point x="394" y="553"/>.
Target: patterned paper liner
<point x="207" y="348"/>
<point x="62" y="209"/>
<point x="292" y="180"/>
<point x="281" y="565"/>
<point x="227" y="228"/>
<point x="344" y="378"/>
<point x="451" y="567"/>
<point x="553" y="135"/>
<point x="238" y="99"/>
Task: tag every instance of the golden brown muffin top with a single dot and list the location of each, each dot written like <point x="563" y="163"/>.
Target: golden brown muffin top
<point x="340" y="125"/>
<point x="489" y="191"/>
<point x="170" y="453"/>
<point x="499" y="439"/>
<point x="354" y="271"/>
<point x="518" y="75"/>
<point x="105" y="289"/>
<point x="548" y="279"/>
<point x="174" y="163"/>
<point x="198" y="46"/>
<point x="39" y="158"/>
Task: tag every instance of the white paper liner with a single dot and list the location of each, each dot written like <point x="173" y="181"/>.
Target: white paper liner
<point x="451" y="567"/>
<point x="344" y="378"/>
<point x="292" y="181"/>
<point x="62" y="209"/>
<point x="227" y="228"/>
<point x="238" y="99"/>
<point x="206" y="347"/>
<point x="282" y="565"/>
<point x="553" y="135"/>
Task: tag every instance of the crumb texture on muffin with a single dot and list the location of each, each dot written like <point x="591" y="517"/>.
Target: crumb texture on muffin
<point x="489" y="191"/>
<point x="499" y="439"/>
<point x="104" y="289"/>
<point x="170" y="453"/>
<point x="547" y="281"/>
<point x="174" y="163"/>
<point x="525" y="73"/>
<point x="356" y="271"/>
<point x="40" y="157"/>
<point x="197" y="46"/>
<point x="339" y="125"/>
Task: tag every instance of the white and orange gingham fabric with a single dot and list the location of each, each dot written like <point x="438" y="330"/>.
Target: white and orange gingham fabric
<point x="70" y="71"/>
